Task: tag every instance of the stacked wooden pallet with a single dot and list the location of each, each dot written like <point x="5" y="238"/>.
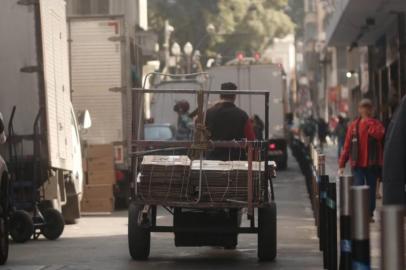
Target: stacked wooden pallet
<point x="225" y="181"/>
<point x="98" y="193"/>
<point x="164" y="178"/>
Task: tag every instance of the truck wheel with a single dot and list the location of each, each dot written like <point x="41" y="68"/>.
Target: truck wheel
<point x="267" y="238"/>
<point x="54" y="224"/>
<point x="139" y="237"/>
<point x="3" y="240"/>
<point x="21" y="226"/>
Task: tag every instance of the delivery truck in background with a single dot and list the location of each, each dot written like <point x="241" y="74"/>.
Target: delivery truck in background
<point x="253" y="76"/>
<point x="101" y="78"/>
<point x="35" y="84"/>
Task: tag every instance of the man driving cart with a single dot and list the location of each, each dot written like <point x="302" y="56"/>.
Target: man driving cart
<point x="226" y="122"/>
<point x="207" y="189"/>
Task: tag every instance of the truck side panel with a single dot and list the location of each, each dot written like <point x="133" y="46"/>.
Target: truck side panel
<point x="97" y="57"/>
<point x="18" y="50"/>
<point x="57" y="85"/>
<point x="26" y="90"/>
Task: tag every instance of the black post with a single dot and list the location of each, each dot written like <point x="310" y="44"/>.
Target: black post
<point x="331" y="203"/>
<point x="345" y="222"/>
<point x="323" y="218"/>
<point x="361" y="258"/>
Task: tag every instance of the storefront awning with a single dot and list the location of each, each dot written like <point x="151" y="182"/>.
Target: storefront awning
<point x="349" y="23"/>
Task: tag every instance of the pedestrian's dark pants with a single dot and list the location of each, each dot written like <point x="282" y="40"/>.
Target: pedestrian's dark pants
<point x="367" y="176"/>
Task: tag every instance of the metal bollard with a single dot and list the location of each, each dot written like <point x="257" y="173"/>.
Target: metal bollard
<point x="324" y="180"/>
<point x="392" y="238"/>
<point x="321" y="164"/>
<point x="331" y="203"/>
<point x="345" y="222"/>
<point x="361" y="258"/>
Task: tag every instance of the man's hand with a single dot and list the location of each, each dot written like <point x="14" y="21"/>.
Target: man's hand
<point x="341" y="172"/>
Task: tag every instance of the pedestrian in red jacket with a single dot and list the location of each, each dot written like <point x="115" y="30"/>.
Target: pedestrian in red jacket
<point x="363" y="147"/>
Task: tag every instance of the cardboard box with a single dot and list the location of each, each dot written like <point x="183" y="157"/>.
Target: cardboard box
<point x="98" y="205"/>
<point x="101" y="177"/>
<point x="100" y="150"/>
<point x="100" y="163"/>
<point x="98" y="192"/>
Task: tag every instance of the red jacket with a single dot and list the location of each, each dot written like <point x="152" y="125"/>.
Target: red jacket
<point x="368" y="127"/>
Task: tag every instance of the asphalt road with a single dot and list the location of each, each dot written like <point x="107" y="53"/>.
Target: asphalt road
<point x="100" y="242"/>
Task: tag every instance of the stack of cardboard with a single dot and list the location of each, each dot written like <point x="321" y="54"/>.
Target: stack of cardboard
<point x="164" y="178"/>
<point x="176" y="178"/>
<point x="223" y="181"/>
<point x="98" y="193"/>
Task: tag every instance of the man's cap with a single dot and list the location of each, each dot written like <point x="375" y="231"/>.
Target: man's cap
<point x="229" y="86"/>
<point x="366" y="102"/>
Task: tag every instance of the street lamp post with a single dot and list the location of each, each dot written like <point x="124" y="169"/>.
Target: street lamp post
<point x="176" y="51"/>
<point x="188" y="50"/>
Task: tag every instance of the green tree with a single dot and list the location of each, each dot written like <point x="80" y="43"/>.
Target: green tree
<point x="240" y="25"/>
<point x="296" y="12"/>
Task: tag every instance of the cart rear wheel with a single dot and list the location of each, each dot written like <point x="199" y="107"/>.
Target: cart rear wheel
<point x="139" y="237"/>
<point x="21" y="226"/>
<point x="267" y="241"/>
<point x="3" y="240"/>
<point x="54" y="224"/>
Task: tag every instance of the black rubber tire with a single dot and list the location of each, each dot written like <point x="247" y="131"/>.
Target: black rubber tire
<point x="21" y="226"/>
<point x="54" y="224"/>
<point x="4" y="242"/>
<point x="267" y="235"/>
<point x="139" y="238"/>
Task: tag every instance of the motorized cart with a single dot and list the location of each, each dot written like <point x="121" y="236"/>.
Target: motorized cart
<point x="205" y="197"/>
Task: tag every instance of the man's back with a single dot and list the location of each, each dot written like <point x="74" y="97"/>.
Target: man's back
<point x="225" y="121"/>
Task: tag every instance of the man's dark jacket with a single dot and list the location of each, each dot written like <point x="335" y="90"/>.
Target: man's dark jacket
<point x="226" y="122"/>
<point x="394" y="167"/>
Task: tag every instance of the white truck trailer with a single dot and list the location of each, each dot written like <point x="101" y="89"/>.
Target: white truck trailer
<point x="34" y="75"/>
<point x="101" y="83"/>
<point x="259" y="77"/>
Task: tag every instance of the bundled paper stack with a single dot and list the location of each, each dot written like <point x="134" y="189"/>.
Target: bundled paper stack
<point x="98" y="193"/>
<point x="223" y="181"/>
<point x="164" y="178"/>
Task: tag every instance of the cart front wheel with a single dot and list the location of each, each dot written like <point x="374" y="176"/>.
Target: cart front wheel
<point x="54" y="224"/>
<point x="21" y="226"/>
<point x="139" y="236"/>
<point x="267" y="241"/>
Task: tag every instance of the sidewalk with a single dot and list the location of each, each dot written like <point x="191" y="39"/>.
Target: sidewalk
<point x="332" y="169"/>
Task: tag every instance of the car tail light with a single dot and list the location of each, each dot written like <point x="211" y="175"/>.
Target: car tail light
<point x="272" y="146"/>
<point x="119" y="176"/>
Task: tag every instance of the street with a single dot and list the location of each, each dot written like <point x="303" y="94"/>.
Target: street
<point x="100" y="242"/>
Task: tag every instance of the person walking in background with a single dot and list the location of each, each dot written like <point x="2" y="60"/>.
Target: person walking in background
<point x="363" y="147"/>
<point x="394" y="166"/>
<point x="322" y="132"/>
<point x="340" y="131"/>
<point x="184" y="130"/>
<point x="258" y="126"/>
